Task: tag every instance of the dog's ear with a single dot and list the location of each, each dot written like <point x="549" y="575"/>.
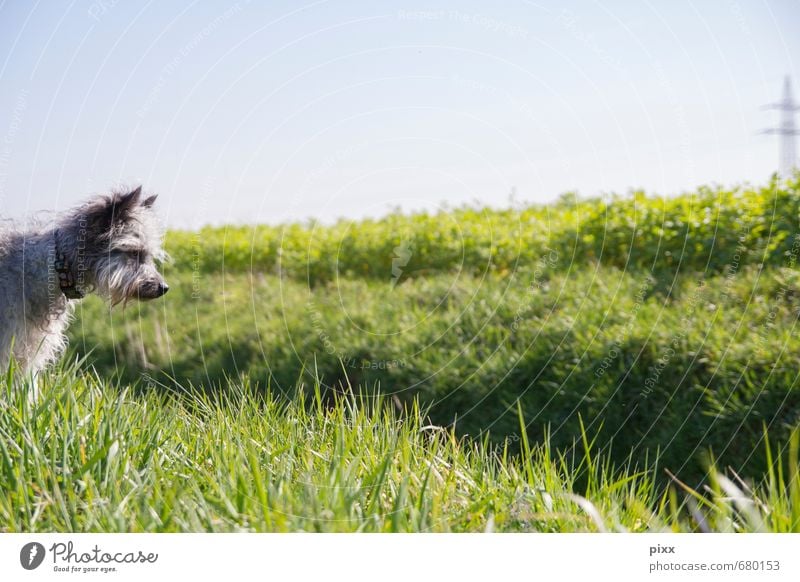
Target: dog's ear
<point x="101" y="214"/>
<point x="149" y="201"/>
<point x="121" y="205"/>
<point x="124" y="203"/>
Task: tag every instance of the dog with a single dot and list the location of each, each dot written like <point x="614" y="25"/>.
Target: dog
<point x="110" y="245"/>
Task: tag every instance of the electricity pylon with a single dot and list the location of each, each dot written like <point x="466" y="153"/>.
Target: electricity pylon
<point x="787" y="129"/>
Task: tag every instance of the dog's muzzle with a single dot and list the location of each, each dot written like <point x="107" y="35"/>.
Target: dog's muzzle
<point x="152" y="290"/>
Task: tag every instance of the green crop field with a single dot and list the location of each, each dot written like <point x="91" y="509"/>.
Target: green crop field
<point x="624" y="364"/>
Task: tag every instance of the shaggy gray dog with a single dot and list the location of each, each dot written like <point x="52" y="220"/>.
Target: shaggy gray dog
<point x="109" y="246"/>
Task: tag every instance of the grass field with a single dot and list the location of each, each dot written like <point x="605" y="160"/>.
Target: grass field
<point x="92" y="457"/>
<point x="590" y="365"/>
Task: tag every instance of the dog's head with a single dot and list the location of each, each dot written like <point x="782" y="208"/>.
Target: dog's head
<point x="117" y="239"/>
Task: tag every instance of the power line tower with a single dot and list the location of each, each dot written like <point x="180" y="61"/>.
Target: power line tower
<point x="787" y="129"/>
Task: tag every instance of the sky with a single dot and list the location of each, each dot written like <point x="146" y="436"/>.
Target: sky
<point x="269" y="112"/>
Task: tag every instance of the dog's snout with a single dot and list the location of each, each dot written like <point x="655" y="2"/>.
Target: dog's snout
<point x="152" y="289"/>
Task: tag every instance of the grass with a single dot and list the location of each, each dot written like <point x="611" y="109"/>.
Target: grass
<point x="668" y="323"/>
<point x="87" y="456"/>
<point x="676" y="371"/>
<point x="701" y="231"/>
<point x="628" y="365"/>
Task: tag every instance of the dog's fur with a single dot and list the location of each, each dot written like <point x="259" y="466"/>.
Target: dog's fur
<point x="109" y="245"/>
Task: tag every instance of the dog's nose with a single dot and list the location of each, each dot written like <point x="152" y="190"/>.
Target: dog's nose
<point x="162" y="288"/>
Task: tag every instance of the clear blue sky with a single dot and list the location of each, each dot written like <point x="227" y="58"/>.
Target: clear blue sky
<point x="282" y="110"/>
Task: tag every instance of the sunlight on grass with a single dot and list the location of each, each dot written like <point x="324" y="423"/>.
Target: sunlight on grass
<point x="87" y="456"/>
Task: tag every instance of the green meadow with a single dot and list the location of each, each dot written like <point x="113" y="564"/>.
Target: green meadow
<point x="620" y="364"/>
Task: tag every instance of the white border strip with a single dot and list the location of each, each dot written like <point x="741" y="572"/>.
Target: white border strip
<point x="401" y="557"/>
